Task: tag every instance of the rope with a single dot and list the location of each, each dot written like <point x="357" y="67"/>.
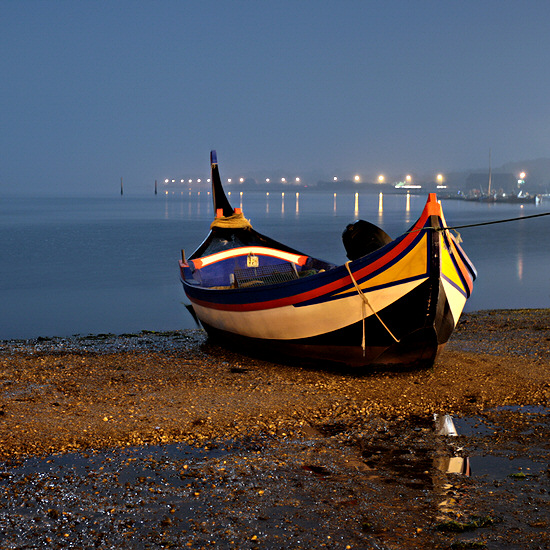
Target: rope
<point x="455" y="227"/>
<point x="235" y="221"/>
<point x="495" y="221"/>
<point x="363" y="312"/>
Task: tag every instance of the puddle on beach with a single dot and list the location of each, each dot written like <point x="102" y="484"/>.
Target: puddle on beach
<point x="395" y="486"/>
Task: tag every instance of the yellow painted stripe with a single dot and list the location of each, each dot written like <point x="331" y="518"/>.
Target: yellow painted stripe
<point x="448" y="267"/>
<point x="414" y="264"/>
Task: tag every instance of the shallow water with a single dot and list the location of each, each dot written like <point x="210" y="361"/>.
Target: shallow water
<point x="80" y="266"/>
<point x="390" y="488"/>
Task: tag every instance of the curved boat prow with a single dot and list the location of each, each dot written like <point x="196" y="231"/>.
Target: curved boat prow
<point x="218" y="194"/>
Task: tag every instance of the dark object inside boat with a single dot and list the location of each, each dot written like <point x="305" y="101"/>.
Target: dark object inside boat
<point x="361" y="238"/>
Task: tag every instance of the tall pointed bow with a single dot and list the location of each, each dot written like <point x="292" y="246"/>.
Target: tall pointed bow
<point x="221" y="203"/>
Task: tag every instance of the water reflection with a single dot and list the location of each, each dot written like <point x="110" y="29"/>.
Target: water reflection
<point x="334" y="205"/>
<point x="282" y="203"/>
<point x="448" y="464"/>
<point x="520" y="264"/>
<point x="267" y="203"/>
<point x="356" y="209"/>
<point x="297" y="203"/>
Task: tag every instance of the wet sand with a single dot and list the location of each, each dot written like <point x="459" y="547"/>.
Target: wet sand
<point x="163" y="440"/>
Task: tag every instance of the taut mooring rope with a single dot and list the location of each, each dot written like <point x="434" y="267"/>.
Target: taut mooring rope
<point x="495" y="221"/>
<point x="455" y="227"/>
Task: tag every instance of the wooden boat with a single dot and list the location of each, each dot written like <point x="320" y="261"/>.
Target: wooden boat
<point x="395" y="301"/>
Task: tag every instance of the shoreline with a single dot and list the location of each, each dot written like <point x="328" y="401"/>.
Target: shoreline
<point x="65" y="394"/>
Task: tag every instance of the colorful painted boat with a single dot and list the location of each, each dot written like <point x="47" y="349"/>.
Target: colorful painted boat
<point x="395" y="301"/>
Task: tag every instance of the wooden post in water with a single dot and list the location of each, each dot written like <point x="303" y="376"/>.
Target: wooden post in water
<point x="121" y="188"/>
<point x="155" y="187"/>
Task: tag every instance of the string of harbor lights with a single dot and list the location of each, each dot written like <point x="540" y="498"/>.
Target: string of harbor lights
<point x="407" y="182"/>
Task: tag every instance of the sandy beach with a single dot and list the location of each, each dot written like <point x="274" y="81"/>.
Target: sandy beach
<point x="276" y="455"/>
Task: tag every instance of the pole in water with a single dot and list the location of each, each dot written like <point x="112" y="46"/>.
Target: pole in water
<point x="155" y="187"/>
<point x="121" y="188"/>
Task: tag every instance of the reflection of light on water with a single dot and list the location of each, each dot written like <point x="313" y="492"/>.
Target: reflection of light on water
<point x="356" y="211"/>
<point x="297" y="203"/>
<point x="408" y="204"/>
<point x="380" y="203"/>
<point x="520" y="264"/>
<point x="334" y="206"/>
<point x="282" y="203"/>
<point x="241" y="204"/>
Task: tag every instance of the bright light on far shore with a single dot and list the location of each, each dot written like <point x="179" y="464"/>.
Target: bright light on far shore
<point x="381" y="178"/>
<point x="357" y="178"/>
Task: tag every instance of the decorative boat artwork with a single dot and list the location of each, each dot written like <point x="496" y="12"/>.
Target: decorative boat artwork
<point x="396" y="301"/>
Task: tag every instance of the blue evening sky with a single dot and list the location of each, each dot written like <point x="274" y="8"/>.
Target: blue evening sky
<point x="95" y="90"/>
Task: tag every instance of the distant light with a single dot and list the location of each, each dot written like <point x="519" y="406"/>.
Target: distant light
<point x="335" y="178"/>
<point x="267" y="180"/>
<point x="190" y="181"/>
<point x="241" y="180"/>
<point x="166" y="180"/>
<point x="381" y="178"/>
<point x="173" y="181"/>
<point x="357" y="177"/>
<point x="283" y="180"/>
<point x="181" y="181"/>
<point x="198" y="181"/>
<point x="228" y="180"/>
<point x="522" y="175"/>
<point x="297" y="180"/>
<point x="442" y="187"/>
<point x="208" y="180"/>
<point x="439" y="178"/>
<point x="408" y="178"/>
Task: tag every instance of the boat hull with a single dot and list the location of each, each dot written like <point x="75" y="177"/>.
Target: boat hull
<point x="419" y="347"/>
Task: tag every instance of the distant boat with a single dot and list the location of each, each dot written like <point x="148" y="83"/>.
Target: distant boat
<point x="480" y="196"/>
<point x="394" y="302"/>
<point x="520" y="198"/>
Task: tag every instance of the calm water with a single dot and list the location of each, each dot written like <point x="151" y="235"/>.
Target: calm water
<point x="80" y="266"/>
